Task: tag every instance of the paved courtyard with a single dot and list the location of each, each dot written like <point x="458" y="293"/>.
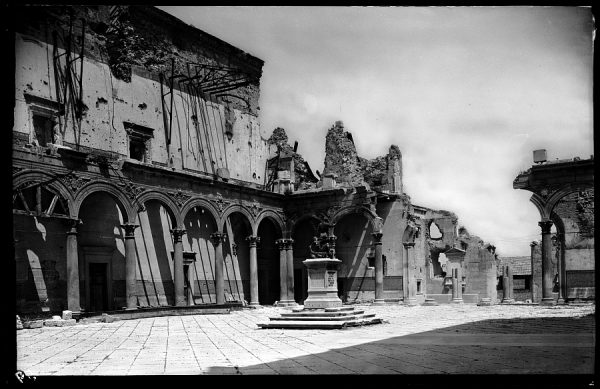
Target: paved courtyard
<point x="467" y="339"/>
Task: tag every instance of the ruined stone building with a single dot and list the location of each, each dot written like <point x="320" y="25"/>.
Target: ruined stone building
<point x="563" y="263"/>
<point x="141" y="179"/>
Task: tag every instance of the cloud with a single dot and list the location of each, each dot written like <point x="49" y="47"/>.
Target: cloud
<point x="466" y="93"/>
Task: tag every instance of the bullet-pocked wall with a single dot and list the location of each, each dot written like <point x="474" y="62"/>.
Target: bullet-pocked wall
<point x="206" y="132"/>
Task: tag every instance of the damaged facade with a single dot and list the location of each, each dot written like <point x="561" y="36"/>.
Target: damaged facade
<point x="563" y="263"/>
<point x="141" y="178"/>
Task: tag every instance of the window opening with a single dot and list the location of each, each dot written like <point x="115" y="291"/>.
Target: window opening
<point x="139" y="141"/>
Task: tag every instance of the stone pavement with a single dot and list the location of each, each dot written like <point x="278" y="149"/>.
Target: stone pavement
<point x="467" y="339"/>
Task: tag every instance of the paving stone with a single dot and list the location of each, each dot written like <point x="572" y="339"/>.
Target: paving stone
<point x="416" y="340"/>
<point x="59" y="322"/>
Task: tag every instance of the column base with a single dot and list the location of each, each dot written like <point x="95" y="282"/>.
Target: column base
<point x="457" y="301"/>
<point x="411" y="302"/>
<point x="561" y="301"/>
<point x="548" y="301"/>
<point x="378" y="302"/>
<point x="508" y="301"/>
<point x="254" y="304"/>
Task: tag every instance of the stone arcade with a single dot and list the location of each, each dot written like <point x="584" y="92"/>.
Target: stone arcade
<point x="141" y="179"/>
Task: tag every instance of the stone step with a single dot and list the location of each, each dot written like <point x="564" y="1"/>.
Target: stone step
<point x="303" y="324"/>
<point x="318" y="324"/>
<point x="324" y="318"/>
<point x="339" y="309"/>
<point x="321" y="313"/>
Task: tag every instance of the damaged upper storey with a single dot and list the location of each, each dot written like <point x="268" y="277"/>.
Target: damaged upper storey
<point x="149" y="42"/>
<point x="190" y="102"/>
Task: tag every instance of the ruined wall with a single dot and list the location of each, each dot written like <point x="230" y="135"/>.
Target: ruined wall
<point x="384" y="173"/>
<point x="341" y="157"/>
<point x="303" y="176"/>
<point x="207" y="133"/>
<point x="480" y="271"/>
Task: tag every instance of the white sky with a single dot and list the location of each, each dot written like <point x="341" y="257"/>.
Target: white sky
<point x="467" y="94"/>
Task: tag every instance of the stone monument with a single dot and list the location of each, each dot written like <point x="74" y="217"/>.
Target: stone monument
<point x="322" y="308"/>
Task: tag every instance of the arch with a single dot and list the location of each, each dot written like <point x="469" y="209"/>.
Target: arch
<point x="236" y="208"/>
<point x="370" y="215"/>
<point x="105" y="186"/>
<point x="51" y="180"/>
<point x="199" y="202"/>
<point x="295" y="222"/>
<point x="164" y="200"/>
<point x="567" y="189"/>
<point x="274" y="216"/>
<point x="541" y="206"/>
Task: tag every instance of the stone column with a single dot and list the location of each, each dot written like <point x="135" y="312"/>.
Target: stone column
<point x="281" y="245"/>
<point x="511" y="284"/>
<point x="289" y="249"/>
<point x="73" y="303"/>
<point x="411" y="295"/>
<point x="252" y="242"/>
<point x="507" y="286"/>
<point x="456" y="286"/>
<point x="217" y="238"/>
<point x="559" y="257"/>
<point x="378" y="269"/>
<point x="178" y="280"/>
<point x="130" y="265"/>
<point x="547" y="274"/>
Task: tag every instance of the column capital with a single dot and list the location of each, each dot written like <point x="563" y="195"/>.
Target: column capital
<point x="281" y="244"/>
<point x="253" y="240"/>
<point x="72" y="225"/>
<point x="408" y="245"/>
<point x="178" y="233"/>
<point x="377" y="236"/>
<point x="217" y="238"/>
<point x="129" y="229"/>
<point x="546" y="225"/>
<point x="288" y="245"/>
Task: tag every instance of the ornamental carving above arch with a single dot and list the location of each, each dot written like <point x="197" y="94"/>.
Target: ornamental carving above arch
<point x="179" y="197"/>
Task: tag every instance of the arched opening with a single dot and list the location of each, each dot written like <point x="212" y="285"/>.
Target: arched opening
<point x="154" y="243"/>
<point x="573" y="257"/>
<point x="268" y="262"/>
<point x="303" y="233"/>
<point x="39" y="212"/>
<point x="199" y="225"/>
<point x="354" y="247"/>
<point x="102" y="253"/>
<point x="236" y="254"/>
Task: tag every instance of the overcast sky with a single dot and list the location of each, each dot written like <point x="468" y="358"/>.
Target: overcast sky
<point x="466" y="93"/>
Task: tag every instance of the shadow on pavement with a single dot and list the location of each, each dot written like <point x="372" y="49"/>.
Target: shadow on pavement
<point x="556" y="346"/>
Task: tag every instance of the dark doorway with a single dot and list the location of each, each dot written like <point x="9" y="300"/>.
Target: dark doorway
<point x="300" y="285"/>
<point x="98" y="287"/>
<point x="268" y="263"/>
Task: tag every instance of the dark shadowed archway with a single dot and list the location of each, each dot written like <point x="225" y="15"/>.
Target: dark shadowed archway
<point x="268" y="264"/>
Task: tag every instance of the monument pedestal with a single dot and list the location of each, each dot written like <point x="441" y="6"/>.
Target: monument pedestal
<point x="322" y="308"/>
<point x="322" y="283"/>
